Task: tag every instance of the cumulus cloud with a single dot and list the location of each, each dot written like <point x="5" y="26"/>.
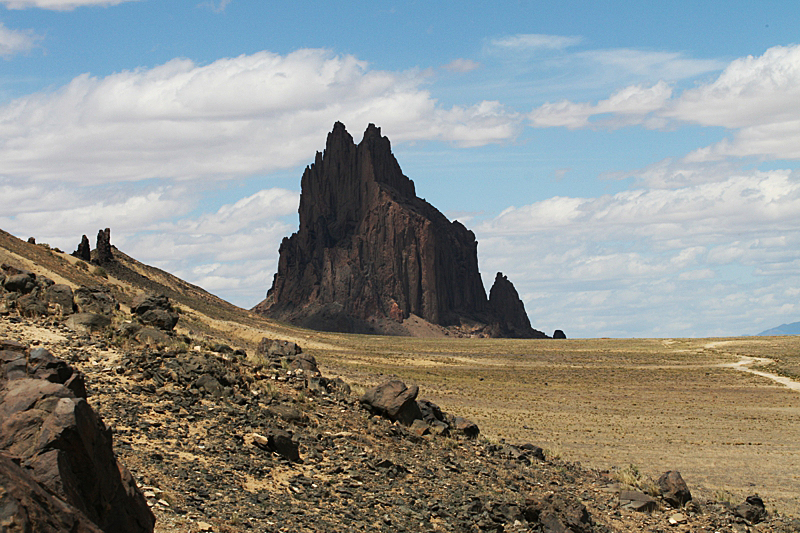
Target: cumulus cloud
<point x="59" y="5"/>
<point x="15" y="41"/>
<point x="757" y="98"/>
<point x="634" y="101"/>
<point x="602" y="266"/>
<point x="233" y="117"/>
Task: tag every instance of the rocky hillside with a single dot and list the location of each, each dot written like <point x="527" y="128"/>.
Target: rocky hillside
<point x="370" y="254"/>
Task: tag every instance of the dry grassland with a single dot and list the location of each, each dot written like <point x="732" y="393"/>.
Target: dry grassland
<point x="659" y="404"/>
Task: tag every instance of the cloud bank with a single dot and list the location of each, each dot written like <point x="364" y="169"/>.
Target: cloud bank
<point x="757" y="98"/>
<point x="231" y="118"/>
<point x="594" y="263"/>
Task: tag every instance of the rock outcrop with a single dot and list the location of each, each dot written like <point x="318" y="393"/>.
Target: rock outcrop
<point x="47" y="426"/>
<point x="84" y="250"/>
<point x="103" y="253"/>
<point x="369" y="253"/>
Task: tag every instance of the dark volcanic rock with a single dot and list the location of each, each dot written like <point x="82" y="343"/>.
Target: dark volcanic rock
<point x="61" y="442"/>
<point x="673" y="489"/>
<point x="84" y="250"/>
<point x="102" y="251"/>
<point x="509" y="311"/>
<point x="556" y="513"/>
<point x="23" y="282"/>
<point x="155" y="310"/>
<point x="369" y="252"/>
<point x="394" y="400"/>
<point x="558" y="334"/>
<point x="752" y="509"/>
<point x="95" y="300"/>
<point x="60" y="296"/>
<point x="25" y="506"/>
<point x="87" y="322"/>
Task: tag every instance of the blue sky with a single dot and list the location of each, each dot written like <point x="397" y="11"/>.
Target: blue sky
<point x="631" y="167"/>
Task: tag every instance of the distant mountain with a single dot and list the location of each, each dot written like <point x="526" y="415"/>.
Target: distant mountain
<point x="783" y="329"/>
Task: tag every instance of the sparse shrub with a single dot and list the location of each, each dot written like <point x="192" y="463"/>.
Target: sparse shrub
<point x="723" y="496"/>
<point x="100" y="272"/>
<point x="635" y="479"/>
<point x="553" y="453"/>
<point x="82" y="265"/>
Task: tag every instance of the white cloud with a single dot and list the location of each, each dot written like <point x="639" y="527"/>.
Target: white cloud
<point x="758" y="98"/>
<point x="59" y="5"/>
<point x="462" y="65"/>
<point x="15" y="41"/>
<point x="633" y="100"/>
<point x="750" y="91"/>
<point x="233" y="117"/>
<point x="535" y="41"/>
<point x="653" y="262"/>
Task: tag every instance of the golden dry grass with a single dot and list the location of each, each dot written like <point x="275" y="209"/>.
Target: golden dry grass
<point x="660" y="404"/>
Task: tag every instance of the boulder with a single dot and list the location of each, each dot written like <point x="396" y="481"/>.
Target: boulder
<point x="222" y="348"/>
<point x="26" y="506"/>
<point x="558" y="334"/>
<point x="63" y="445"/>
<point x="673" y="489"/>
<point x="42" y="364"/>
<point x="95" y="300"/>
<point x="430" y="411"/>
<point x="558" y="513"/>
<point x="31" y="305"/>
<point x="465" y="426"/>
<point x="277" y="348"/>
<point x="155" y="310"/>
<point x="129" y="329"/>
<point x="394" y="400"/>
<point x="87" y="322"/>
<point x="22" y="283"/>
<point x="60" y="298"/>
<point x="752" y="509"/>
<point x="305" y="362"/>
<point x="637" y="501"/>
<point x="278" y="441"/>
<point x="152" y="337"/>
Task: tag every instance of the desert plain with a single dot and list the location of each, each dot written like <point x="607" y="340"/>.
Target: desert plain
<point x="656" y="404"/>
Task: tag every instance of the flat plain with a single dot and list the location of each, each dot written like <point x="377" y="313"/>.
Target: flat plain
<point x="658" y="404"/>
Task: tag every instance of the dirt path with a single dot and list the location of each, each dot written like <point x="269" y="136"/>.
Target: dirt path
<point x="744" y="366"/>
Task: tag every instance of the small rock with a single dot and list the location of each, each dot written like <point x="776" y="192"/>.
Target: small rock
<point x="677" y="518"/>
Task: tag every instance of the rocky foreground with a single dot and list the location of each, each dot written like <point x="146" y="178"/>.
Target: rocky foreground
<point x="220" y="441"/>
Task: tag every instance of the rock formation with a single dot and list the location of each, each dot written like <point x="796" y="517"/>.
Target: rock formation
<point x="369" y="253"/>
<point x="49" y="429"/>
<point x="84" y="250"/>
<point x="103" y="253"/>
